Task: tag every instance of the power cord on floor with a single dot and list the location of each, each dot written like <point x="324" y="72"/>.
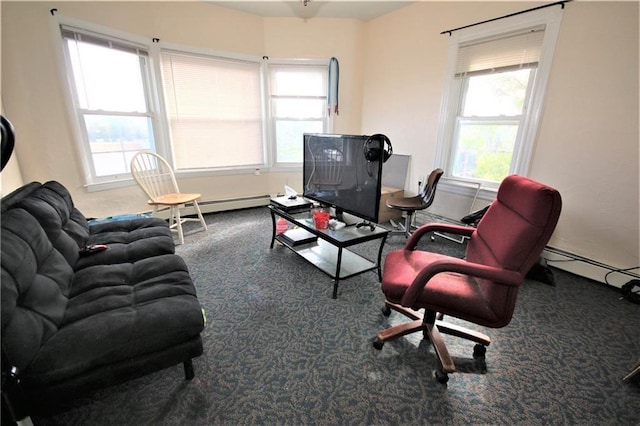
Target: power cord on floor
<point x="617" y="271"/>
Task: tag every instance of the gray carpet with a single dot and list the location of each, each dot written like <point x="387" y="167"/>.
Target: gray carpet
<point x="279" y="350"/>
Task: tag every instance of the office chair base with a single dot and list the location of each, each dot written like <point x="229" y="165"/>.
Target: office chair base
<point x="432" y="327"/>
<point x="405" y="228"/>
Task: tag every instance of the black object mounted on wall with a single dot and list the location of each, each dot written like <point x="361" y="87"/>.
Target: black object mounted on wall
<point x="7" y="142"/>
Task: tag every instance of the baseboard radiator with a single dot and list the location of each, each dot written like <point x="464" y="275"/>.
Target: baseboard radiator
<point x="221" y="205"/>
<point x="561" y="259"/>
<point x="589" y="268"/>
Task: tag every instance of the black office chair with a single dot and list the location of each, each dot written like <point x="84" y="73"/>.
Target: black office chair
<point x="410" y="205"/>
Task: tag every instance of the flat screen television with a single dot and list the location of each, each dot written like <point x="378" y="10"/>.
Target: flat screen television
<point x="337" y="174"/>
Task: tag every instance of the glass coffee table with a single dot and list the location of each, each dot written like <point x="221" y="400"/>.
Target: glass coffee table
<point x="326" y="249"/>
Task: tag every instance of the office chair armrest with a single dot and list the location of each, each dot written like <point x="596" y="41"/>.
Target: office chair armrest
<point x="423" y="230"/>
<point x="497" y="275"/>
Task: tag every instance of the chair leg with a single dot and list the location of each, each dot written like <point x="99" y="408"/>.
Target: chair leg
<point x="404" y="228"/>
<point x="197" y="207"/>
<point x="407" y="224"/>
<point x="178" y="222"/>
<point x="442" y="353"/>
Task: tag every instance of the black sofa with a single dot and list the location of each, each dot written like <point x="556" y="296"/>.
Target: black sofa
<point x="75" y="322"/>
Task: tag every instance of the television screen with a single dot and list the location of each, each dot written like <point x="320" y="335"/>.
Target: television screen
<point x="337" y="173"/>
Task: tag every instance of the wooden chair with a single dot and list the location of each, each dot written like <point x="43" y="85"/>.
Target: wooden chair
<point x="156" y="178"/>
<point x="328" y="167"/>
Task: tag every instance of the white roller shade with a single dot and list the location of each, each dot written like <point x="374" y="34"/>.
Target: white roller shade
<point x="505" y="53"/>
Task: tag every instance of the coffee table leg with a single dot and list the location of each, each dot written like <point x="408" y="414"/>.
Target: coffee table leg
<point x="384" y="239"/>
<point x="337" y="278"/>
<point x="273" y="228"/>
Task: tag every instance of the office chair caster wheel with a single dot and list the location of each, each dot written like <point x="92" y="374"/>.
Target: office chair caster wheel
<point x="386" y="310"/>
<point x="479" y="351"/>
<point x="441" y="376"/>
<point x="378" y="343"/>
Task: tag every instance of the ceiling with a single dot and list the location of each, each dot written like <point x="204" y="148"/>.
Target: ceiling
<point x="362" y="10"/>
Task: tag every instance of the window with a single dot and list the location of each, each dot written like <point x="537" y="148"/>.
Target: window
<point x="214" y="108"/>
<point x="298" y="95"/>
<point x="204" y="112"/>
<point x="494" y="97"/>
<point x="110" y="83"/>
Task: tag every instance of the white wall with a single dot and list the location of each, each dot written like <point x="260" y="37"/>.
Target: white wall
<point x="34" y="101"/>
<point x="392" y="76"/>
<point x="588" y="143"/>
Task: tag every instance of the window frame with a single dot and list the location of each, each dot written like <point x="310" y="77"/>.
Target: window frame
<point x="94" y="182"/>
<point x="327" y="120"/>
<point x="452" y="98"/>
<point x="156" y="101"/>
<point x="179" y="50"/>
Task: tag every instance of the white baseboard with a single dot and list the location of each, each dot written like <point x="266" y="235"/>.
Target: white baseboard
<point x="589" y="268"/>
<point x="221" y="205"/>
<point x="234" y="204"/>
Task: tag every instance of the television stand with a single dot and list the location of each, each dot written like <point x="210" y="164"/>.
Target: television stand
<point x="328" y="251"/>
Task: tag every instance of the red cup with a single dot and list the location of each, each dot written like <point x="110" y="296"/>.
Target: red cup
<point x="321" y="220"/>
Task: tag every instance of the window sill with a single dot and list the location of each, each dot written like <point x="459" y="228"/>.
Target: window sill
<point x="188" y="174"/>
<point x="105" y="186"/>
<point x="467" y="188"/>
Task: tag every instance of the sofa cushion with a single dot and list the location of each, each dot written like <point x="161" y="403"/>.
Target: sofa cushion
<point x="118" y="312"/>
<point x="36" y="281"/>
<point x="69" y="232"/>
<point x="53" y="208"/>
<point x="9" y="201"/>
<point x="128" y="241"/>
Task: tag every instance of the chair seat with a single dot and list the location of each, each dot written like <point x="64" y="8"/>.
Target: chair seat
<point x="407" y="204"/>
<point x="449" y="293"/>
<point x="174" y="199"/>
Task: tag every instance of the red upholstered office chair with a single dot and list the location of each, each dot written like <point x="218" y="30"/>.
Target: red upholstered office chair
<point x="410" y="205"/>
<point x="481" y="288"/>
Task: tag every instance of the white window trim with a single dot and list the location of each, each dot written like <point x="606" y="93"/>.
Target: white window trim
<point x="550" y="17"/>
<point x="91" y="183"/>
<point x="155" y="51"/>
<point x="269" y="121"/>
<point x="161" y="124"/>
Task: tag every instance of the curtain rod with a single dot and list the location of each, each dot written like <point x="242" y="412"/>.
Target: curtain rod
<point x="560" y="3"/>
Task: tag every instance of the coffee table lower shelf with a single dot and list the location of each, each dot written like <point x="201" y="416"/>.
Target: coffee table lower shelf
<point x="338" y="263"/>
<point x="327" y="249"/>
